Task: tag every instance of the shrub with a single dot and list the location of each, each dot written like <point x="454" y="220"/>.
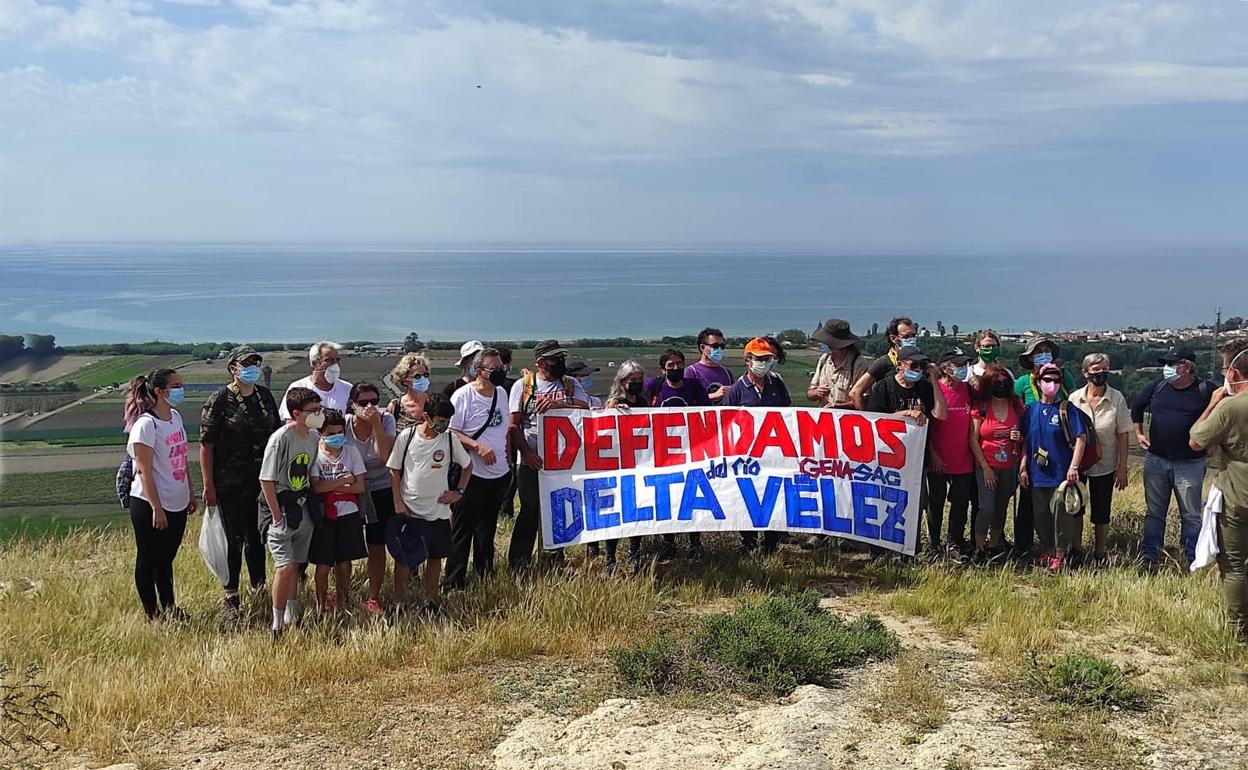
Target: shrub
<point x="766" y="647"/>
<point x="1087" y="680"/>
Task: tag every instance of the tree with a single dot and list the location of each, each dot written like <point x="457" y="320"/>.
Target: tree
<point x="955" y="330"/>
<point x="940" y="328"/>
<point x="11" y="346"/>
<point x="41" y="344"/>
<point x="792" y="336"/>
<point x="411" y="344"/>
<point x="875" y="329"/>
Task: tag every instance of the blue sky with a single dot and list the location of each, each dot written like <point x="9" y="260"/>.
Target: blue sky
<point x="918" y="124"/>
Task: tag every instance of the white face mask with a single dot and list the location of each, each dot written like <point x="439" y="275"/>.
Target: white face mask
<point x="1227" y="385"/>
<point x="760" y="368"/>
<point x="331" y="373"/>
<point x="315" y="421"/>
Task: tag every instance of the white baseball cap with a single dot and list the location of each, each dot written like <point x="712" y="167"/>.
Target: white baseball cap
<point x="470" y="348"/>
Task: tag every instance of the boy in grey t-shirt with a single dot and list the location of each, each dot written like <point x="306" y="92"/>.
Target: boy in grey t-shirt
<point x="286" y="495"/>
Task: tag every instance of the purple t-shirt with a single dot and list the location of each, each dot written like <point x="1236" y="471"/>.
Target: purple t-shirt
<point x="709" y="376"/>
<point x="688" y="393"/>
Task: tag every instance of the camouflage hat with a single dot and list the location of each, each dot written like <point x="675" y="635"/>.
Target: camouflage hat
<point x="242" y="353"/>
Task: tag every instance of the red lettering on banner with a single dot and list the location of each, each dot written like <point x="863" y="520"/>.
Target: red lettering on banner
<point x="744" y="422"/>
<point x="857" y="438"/>
<point x="666" y="446"/>
<point x="703" y="429"/>
<point x="599" y="438"/>
<point x="630" y="441"/>
<point x="773" y="433"/>
<point x="891" y="432"/>
<point x="816" y="429"/>
<point x="553" y="428"/>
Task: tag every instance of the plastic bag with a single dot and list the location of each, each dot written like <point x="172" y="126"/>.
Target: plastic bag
<point x="213" y="545"/>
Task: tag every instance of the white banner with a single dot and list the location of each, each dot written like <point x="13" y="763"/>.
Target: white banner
<point x="610" y="474"/>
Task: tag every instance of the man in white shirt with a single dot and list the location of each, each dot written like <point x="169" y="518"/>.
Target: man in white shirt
<point x="324" y="357"/>
<point x="536" y="393"/>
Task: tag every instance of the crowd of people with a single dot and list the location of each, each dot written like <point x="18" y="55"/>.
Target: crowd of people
<point x="334" y="472"/>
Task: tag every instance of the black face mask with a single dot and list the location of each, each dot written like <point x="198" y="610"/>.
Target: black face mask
<point x="1098" y="378"/>
<point x="498" y="377"/>
<point x="674" y="375"/>
<point x="1000" y="390"/>
<point x="557" y="369"/>
<point x="633" y="388"/>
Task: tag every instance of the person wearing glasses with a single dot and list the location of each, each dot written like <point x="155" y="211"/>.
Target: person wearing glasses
<point x="709" y="369"/>
<point x="371" y="430"/>
<point x="537" y="392"/>
<point x="759" y="386"/>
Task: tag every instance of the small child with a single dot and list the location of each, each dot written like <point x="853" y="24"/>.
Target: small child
<point x="419" y="464"/>
<point x="338" y="479"/>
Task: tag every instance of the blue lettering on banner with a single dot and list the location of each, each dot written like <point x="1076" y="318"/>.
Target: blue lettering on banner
<point x="562" y="529"/>
<point x="699" y="496"/>
<point x="663" y="494"/>
<point x="831" y="521"/>
<point x="629" y="511"/>
<point x="866" y="512"/>
<point x="797" y="506"/>
<point x="760" y="510"/>
<point x="597" y="503"/>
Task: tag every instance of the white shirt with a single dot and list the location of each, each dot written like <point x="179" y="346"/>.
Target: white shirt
<point x="424" y="463"/>
<point x="540" y="387"/>
<point x="347" y="463"/>
<point x="471" y="412"/>
<point x="334" y="398"/>
<point x="1112" y="417"/>
<point x="167" y="438"/>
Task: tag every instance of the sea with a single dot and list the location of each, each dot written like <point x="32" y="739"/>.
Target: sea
<point x="287" y="292"/>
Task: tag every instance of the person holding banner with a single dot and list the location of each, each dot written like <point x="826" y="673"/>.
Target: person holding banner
<point x="672" y="387"/>
<point x="536" y="393"/>
<point x="627" y="393"/>
<point x="759" y="386"/>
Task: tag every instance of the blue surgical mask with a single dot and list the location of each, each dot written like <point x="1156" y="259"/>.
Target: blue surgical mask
<point x="336" y="441"/>
<point x="908" y="342"/>
<point x="249" y="375"/>
<point x="420" y="383"/>
<point x="1040" y="359"/>
<point x="1170" y="373"/>
<point x="176" y="396"/>
<point x="912" y="375"/>
<point x="823" y="348"/>
<point x="962" y="373"/>
<point x="472" y="370"/>
<point x="587" y="383"/>
<point x="715" y="354"/>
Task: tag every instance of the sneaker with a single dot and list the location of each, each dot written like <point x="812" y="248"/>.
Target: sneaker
<point x="609" y="567"/>
<point x="374" y="608"/>
<point x="275" y="635"/>
<point x="432" y="610"/>
<point x="1043" y="560"/>
<point x="176" y="615"/>
<point x="980" y="559"/>
<point x="1100" y="561"/>
<point x="1055" y="564"/>
<point x="396" y="613"/>
<point x="231" y="607"/>
<point x="956" y="555"/>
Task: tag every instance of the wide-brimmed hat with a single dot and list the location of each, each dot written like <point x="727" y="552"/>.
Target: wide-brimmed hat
<point x="1024" y="358"/>
<point x="407" y="540"/>
<point x="470" y="348"/>
<point x="1069" y="498"/>
<point x="835" y="333"/>
<point x="548" y="348"/>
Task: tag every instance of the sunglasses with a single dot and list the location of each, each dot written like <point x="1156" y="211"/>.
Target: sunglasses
<point x="368" y="402"/>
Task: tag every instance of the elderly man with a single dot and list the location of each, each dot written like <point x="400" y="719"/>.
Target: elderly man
<point x="325" y="358"/>
<point x="840" y="366"/>
<point x="1172" y="467"/>
<point x="538" y="392"/>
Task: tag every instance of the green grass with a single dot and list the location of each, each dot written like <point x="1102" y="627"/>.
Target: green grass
<point x="47" y="522"/>
<point x="117" y="370"/>
<point x="1087" y="680"/>
<point x="93" y="485"/>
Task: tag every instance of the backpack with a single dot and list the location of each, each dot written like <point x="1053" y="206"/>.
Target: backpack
<point x="530" y="389"/>
<point x="1091" y="447"/>
<point x="125" y="480"/>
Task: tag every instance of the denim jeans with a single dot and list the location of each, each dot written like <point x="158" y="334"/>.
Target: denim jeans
<point x="1185" y="480"/>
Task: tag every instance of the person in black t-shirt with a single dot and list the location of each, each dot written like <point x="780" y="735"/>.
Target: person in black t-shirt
<point x="902" y="333"/>
<point x="913" y="391"/>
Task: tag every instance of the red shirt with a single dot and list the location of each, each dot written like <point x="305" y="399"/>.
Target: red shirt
<point x="950" y="437"/>
<point x="994" y="438"/>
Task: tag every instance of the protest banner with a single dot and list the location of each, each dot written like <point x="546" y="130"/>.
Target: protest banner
<point x="609" y="474"/>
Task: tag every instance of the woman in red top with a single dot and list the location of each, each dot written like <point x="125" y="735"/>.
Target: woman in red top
<point x="995" y="440"/>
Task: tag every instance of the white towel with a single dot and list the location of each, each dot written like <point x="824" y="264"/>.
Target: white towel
<point x="1207" y="542"/>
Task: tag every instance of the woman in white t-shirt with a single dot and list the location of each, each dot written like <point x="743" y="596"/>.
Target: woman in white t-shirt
<point x="481" y="422"/>
<point x="161" y="495"/>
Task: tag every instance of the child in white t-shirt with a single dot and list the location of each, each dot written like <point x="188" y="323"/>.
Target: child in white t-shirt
<point x="338" y="480"/>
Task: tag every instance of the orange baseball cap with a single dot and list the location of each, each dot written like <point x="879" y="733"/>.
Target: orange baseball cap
<point x="759" y="347"/>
